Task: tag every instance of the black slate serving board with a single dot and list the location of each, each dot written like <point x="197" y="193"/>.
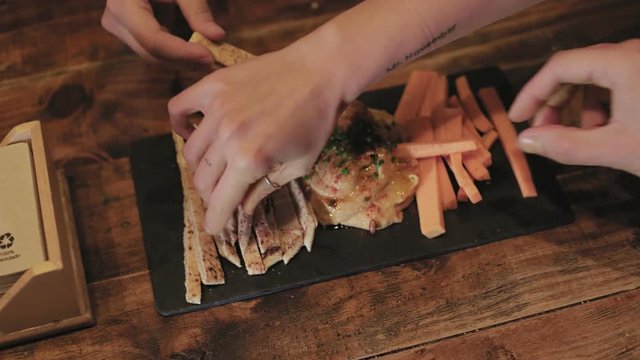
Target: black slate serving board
<point x="502" y="214"/>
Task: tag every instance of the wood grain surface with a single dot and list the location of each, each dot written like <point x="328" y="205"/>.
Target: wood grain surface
<point x="367" y="314"/>
<point x="571" y="292"/>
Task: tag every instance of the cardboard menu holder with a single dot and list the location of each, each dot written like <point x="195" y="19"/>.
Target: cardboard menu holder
<point x="50" y="296"/>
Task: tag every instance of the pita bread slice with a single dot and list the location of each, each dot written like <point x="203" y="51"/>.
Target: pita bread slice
<point x="289" y="229"/>
<point x="305" y="213"/>
<point x="205" y="251"/>
<point x="266" y="232"/>
<point x="193" y="291"/>
<point x="226" y="249"/>
<point x="248" y="245"/>
<point x="232" y="230"/>
<point x="223" y="54"/>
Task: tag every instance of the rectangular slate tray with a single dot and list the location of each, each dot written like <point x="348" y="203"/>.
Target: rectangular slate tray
<point x="502" y="214"/>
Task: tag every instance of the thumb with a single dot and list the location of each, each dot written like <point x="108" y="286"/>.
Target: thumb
<point x="570" y="145"/>
<point x="198" y="15"/>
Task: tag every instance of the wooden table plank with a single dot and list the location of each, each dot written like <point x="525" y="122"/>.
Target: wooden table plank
<point x="106" y="215"/>
<point x="103" y="106"/>
<point x="385" y="310"/>
<point x="100" y="108"/>
<point x="62" y="41"/>
<point x="19" y="14"/>
<point x="603" y="329"/>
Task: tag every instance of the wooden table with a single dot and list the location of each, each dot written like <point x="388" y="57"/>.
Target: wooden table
<point x="570" y="292"/>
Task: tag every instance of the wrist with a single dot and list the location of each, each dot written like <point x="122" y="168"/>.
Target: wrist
<point x="326" y="53"/>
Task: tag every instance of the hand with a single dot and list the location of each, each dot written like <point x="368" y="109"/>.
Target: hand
<point x="616" y="143"/>
<point x="134" y="23"/>
<point x="269" y="116"/>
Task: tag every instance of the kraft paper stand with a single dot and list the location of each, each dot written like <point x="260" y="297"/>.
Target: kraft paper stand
<point x="50" y="297"/>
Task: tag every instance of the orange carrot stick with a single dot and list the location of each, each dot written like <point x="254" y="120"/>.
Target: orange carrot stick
<point x="462" y="196"/>
<point x="428" y="199"/>
<point x="482" y="154"/>
<point x="468" y="125"/>
<point x="422" y="150"/>
<point x="471" y="106"/>
<point x="454" y="132"/>
<point x="489" y="138"/>
<point x="475" y="168"/>
<point x="469" y="131"/>
<point x="412" y="98"/>
<point x="447" y="195"/>
<point x="509" y="139"/>
<point x="462" y="177"/>
<point x="453" y="124"/>
<point x="476" y="161"/>
<point x="453" y="102"/>
<point x="435" y="98"/>
<point x="427" y="192"/>
<point x="433" y="106"/>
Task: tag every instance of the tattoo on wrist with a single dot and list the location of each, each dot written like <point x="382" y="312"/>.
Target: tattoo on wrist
<point x="428" y="46"/>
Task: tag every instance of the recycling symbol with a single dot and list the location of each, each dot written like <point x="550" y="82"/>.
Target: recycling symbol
<point x="6" y="241"/>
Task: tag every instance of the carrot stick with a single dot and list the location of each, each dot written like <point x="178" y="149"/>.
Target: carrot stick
<point x="447" y="195"/>
<point x="476" y="169"/>
<point x="508" y="138"/>
<point x="468" y="125"/>
<point x="412" y="98"/>
<point x="454" y="103"/>
<point x="453" y="124"/>
<point x="435" y="97"/>
<point x="462" y="196"/>
<point x="476" y="161"/>
<point x="427" y="193"/>
<point x="421" y="150"/>
<point x="462" y="177"/>
<point x="482" y="154"/>
<point x="433" y="105"/>
<point x="454" y="132"/>
<point x="469" y="131"/>
<point x="428" y="199"/>
<point x="471" y="106"/>
<point x="489" y="138"/>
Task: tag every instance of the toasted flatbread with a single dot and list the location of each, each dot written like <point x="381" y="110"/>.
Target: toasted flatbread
<point x="231" y="230"/>
<point x="223" y="53"/>
<point x="226" y="249"/>
<point x="205" y="251"/>
<point x="193" y="291"/>
<point x="248" y="245"/>
<point x="266" y="232"/>
<point x="290" y="231"/>
<point x="306" y="216"/>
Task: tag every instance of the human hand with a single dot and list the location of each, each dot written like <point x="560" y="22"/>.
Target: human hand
<point x="134" y="23"/>
<point x="269" y="116"/>
<point x="604" y="139"/>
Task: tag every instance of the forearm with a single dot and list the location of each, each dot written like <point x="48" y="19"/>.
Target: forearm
<point x="377" y="36"/>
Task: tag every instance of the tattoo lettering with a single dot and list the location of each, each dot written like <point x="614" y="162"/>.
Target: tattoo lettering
<point x="412" y="55"/>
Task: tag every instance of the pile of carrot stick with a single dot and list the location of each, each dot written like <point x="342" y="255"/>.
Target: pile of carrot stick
<point x="453" y="132"/>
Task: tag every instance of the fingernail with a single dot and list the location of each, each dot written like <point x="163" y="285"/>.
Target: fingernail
<point x="511" y="116"/>
<point x="217" y="29"/>
<point x="206" y="60"/>
<point x="529" y="145"/>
